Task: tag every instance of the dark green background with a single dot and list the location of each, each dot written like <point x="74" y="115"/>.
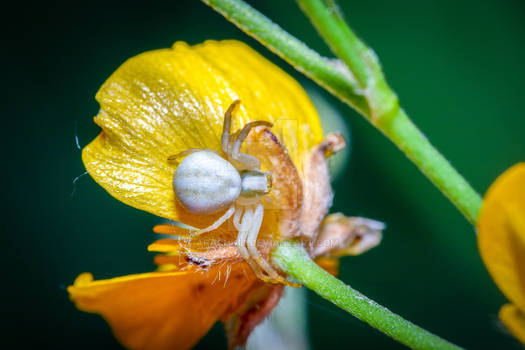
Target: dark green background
<point x="456" y="65"/>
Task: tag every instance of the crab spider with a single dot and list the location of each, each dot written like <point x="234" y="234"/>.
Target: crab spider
<point x="206" y="183"/>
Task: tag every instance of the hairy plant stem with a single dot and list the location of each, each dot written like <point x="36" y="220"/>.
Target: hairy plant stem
<point x="292" y="258"/>
<point x="359" y="82"/>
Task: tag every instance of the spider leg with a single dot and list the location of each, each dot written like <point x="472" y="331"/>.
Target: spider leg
<point x="226" y="126"/>
<point x="251" y="242"/>
<point x="217" y="223"/>
<point x="247" y="201"/>
<point x="243" y="227"/>
<point x="237" y="218"/>
<point x="249" y="161"/>
<point x="175" y="158"/>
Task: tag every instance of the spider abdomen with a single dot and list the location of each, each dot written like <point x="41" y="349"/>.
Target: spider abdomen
<point x="206" y="183"/>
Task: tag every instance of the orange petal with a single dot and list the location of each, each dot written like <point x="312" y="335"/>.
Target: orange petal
<point x="514" y="319"/>
<point x="171" y="310"/>
<point x="171" y="230"/>
<point x="501" y="233"/>
<point x="167" y="245"/>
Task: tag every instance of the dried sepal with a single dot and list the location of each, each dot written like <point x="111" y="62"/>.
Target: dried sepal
<point x="286" y="198"/>
<point x="341" y="236"/>
<point x="316" y="182"/>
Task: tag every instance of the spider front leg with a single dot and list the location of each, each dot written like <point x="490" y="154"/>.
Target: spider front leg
<point x="175" y="158"/>
<point x="226" y="126"/>
<point x="231" y="144"/>
<point x="217" y="223"/>
<point x="248" y="161"/>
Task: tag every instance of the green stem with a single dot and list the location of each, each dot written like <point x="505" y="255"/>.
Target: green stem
<point x="359" y="82"/>
<point x="402" y="131"/>
<point x="362" y="61"/>
<point x="294" y="260"/>
<point x="385" y="112"/>
<point x="351" y="49"/>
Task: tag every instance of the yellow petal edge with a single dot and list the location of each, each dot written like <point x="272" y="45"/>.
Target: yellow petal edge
<point x="514" y="320"/>
<point x="162" y="102"/>
<point x="501" y="242"/>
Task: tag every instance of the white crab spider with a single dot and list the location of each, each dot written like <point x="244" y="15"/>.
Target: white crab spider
<point x="206" y="183"/>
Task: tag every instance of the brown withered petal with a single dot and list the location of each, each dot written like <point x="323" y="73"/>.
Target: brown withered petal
<point x="316" y="181"/>
<point x="340" y="236"/>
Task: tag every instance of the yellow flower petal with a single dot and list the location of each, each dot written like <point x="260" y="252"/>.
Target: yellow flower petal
<point x="514" y="320"/>
<point x="162" y="102"/>
<point x="162" y="310"/>
<point x="501" y="233"/>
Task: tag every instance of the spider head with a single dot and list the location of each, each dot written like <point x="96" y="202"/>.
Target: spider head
<point x="255" y="183"/>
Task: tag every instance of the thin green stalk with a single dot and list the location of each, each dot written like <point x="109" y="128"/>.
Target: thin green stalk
<point x="402" y="131"/>
<point x="362" y="61"/>
<point x="359" y="82"/>
<point x="385" y="112"/>
<point x="294" y="260"/>
<point x="351" y="49"/>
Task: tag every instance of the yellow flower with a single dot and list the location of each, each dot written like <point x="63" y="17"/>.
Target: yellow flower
<point x="501" y="241"/>
<point x="164" y="102"/>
